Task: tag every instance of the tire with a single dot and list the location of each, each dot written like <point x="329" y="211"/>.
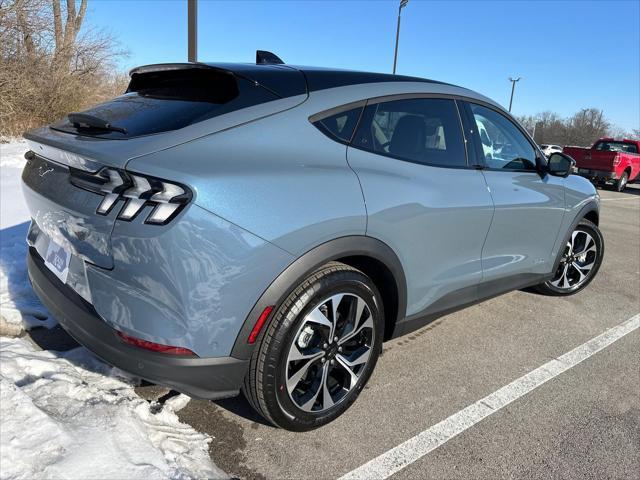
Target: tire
<point x="622" y="181"/>
<point x="288" y="391"/>
<point x="568" y="278"/>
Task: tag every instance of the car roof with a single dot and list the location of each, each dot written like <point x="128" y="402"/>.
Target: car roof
<point x="319" y="78"/>
<point x="289" y="80"/>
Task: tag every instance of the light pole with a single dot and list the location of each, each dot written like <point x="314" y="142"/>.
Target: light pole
<point x="403" y="3"/>
<point x="513" y="87"/>
<point x="192" y="30"/>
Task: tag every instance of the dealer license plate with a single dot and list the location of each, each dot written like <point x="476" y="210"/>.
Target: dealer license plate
<point x="57" y="260"/>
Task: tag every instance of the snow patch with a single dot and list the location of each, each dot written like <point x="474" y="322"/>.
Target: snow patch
<point x="64" y="415"/>
<point x="12" y="207"/>
<point x="19" y="306"/>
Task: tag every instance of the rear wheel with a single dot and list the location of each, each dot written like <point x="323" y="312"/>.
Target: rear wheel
<point x="579" y="263"/>
<point x="622" y="182"/>
<point x="318" y="351"/>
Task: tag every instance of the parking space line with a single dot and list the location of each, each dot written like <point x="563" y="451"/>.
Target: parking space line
<point x="618" y="199"/>
<point x="415" y="448"/>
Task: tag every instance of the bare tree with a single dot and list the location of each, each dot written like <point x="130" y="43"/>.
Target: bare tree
<point x="586" y="126"/>
<point x="51" y="63"/>
<point x="582" y="128"/>
<point x="65" y="35"/>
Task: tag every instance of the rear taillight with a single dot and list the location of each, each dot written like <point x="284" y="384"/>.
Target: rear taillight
<point x="137" y="191"/>
<point x="616" y="160"/>
<point x="154" y="347"/>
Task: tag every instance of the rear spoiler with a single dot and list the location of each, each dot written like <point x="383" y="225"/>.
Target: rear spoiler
<point x="282" y="80"/>
<point x="263" y="57"/>
<point x="163" y="67"/>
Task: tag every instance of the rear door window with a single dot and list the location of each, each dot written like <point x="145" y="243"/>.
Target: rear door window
<point x="169" y="100"/>
<point x="420" y="130"/>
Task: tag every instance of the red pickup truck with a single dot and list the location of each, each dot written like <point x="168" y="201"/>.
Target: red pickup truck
<point x="609" y="161"/>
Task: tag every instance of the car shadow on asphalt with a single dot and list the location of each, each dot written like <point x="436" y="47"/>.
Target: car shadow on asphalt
<point x="241" y="407"/>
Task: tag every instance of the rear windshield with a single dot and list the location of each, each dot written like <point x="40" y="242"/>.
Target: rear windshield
<point x="608" y="146"/>
<point x="168" y="100"/>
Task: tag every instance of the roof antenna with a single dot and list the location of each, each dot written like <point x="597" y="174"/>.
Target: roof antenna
<point x="265" y="58"/>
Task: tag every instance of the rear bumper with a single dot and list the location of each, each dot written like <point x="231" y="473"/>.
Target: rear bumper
<point x="599" y="176"/>
<point x="208" y="378"/>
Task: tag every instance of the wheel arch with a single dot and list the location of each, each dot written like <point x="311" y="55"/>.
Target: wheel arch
<point x="591" y="212"/>
<point x="372" y="256"/>
<point x="593" y="216"/>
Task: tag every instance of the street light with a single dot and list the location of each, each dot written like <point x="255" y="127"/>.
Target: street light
<point x="513" y="87"/>
<point x="403" y="3"/>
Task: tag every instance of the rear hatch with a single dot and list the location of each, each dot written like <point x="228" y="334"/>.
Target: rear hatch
<point x="165" y="105"/>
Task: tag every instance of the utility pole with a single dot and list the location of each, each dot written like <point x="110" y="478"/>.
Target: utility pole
<point x="513" y="87"/>
<point x="192" y="30"/>
<point x="403" y="3"/>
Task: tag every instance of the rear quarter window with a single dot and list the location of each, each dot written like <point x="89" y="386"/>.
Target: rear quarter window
<point x="339" y="126"/>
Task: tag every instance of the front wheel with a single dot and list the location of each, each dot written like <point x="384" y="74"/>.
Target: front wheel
<point x="318" y="351"/>
<point x="579" y="263"/>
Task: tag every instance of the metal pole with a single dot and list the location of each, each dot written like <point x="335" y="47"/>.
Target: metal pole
<point x="403" y="3"/>
<point x="513" y="87"/>
<point x="395" y="55"/>
<point x="192" y="26"/>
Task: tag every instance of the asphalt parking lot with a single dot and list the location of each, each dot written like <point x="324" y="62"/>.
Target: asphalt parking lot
<point x="583" y="423"/>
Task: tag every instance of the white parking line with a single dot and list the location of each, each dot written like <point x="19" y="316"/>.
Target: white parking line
<point x="618" y="199"/>
<point x="415" y="448"/>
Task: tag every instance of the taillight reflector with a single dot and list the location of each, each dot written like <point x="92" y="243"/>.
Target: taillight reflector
<point x="154" y="347"/>
<point x="259" y="324"/>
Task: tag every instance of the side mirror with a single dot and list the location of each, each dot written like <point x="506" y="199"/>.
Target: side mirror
<point x="560" y="165"/>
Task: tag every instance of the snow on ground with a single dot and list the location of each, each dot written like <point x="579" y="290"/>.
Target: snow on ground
<point x="67" y="414"/>
<point x="12" y="209"/>
<point x="18" y="304"/>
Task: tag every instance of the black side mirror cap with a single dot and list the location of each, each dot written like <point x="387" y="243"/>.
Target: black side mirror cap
<point x="561" y="165"/>
<point x="542" y="166"/>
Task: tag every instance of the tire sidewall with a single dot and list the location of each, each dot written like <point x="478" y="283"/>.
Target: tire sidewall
<point x="595" y="233"/>
<point x="280" y="406"/>
<point x="622" y="183"/>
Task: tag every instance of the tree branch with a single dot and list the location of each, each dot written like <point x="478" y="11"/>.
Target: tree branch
<point x="80" y="17"/>
<point x="57" y="23"/>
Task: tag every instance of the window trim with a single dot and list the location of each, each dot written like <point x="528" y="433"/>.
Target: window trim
<point x="462" y="102"/>
<point x="475" y="138"/>
<point x="413" y="96"/>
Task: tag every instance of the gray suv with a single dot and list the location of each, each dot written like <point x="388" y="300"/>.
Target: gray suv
<point x="264" y="228"/>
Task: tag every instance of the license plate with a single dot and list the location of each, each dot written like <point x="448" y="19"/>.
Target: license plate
<point x="583" y="170"/>
<point x="57" y="260"/>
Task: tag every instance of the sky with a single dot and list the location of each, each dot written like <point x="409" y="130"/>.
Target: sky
<point x="570" y="54"/>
